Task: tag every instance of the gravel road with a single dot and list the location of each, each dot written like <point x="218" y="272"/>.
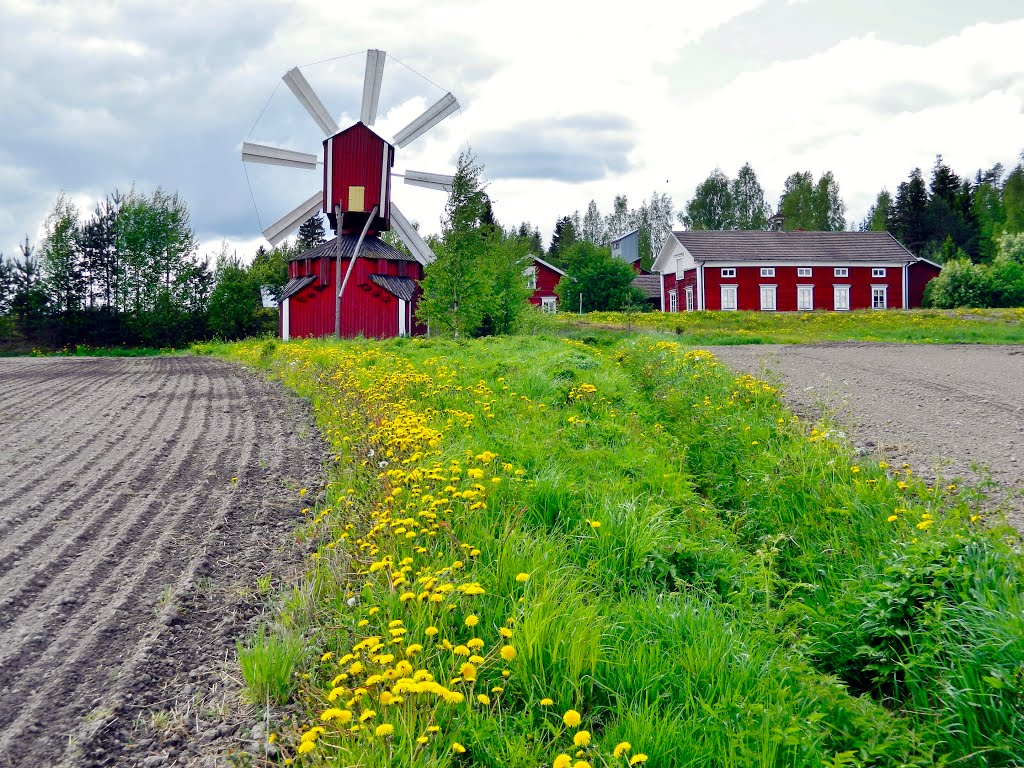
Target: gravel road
<point x="952" y="411"/>
<point x="140" y="499"/>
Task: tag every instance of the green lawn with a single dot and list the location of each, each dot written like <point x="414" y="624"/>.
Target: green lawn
<point x="920" y="326"/>
<point x="519" y="532"/>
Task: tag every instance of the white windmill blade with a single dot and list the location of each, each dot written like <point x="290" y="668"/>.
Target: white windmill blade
<point x="371" y="85"/>
<point x="304" y="92"/>
<point x="281" y="228"/>
<point x="263" y="153"/>
<point x="440" y="181"/>
<point x="444" y="107"/>
<point x="411" y="237"/>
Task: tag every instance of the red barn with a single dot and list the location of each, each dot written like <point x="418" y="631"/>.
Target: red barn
<point x="380" y="297"/>
<point x="789" y="271"/>
<point x="542" y="278"/>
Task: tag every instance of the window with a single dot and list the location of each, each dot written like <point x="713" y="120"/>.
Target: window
<point x="729" y="272"/>
<point x="841" y="272"/>
<point x="549" y="304"/>
<point x="803" y="271"/>
<point x="878" y="296"/>
<point x="531" y="278"/>
<point x="728" y="297"/>
<point x="840" y="298"/>
<point x="878" y="271"/>
<point x="689" y="299"/>
<point x="673" y="301"/>
<point x="805" y="298"/>
<point x="767" y="298"/>
<point x="767" y="271"/>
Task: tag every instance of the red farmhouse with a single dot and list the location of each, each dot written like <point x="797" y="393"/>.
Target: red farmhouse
<point x="789" y="271"/>
<point x="542" y="278"/>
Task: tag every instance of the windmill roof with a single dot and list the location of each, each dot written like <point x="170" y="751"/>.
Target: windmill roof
<point x="373" y="247"/>
<point x="732" y="245"/>
<point x="399" y="287"/>
<point x="295" y="285"/>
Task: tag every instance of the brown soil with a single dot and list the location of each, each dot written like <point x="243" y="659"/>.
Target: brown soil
<point x="141" y="500"/>
<point x="954" y="412"/>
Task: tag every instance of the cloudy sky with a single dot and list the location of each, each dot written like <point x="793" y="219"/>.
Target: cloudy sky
<point x="562" y="102"/>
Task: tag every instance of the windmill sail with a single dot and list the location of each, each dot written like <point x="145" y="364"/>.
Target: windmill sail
<point x="434" y="115"/>
<point x="262" y="153"/>
<point x="281" y="228"/>
<point x="411" y="237"/>
<point x="371" y="85"/>
<point x="441" y="181"/>
<point x="304" y="92"/>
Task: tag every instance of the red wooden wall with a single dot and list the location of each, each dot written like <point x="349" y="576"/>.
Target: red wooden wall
<point x="366" y="309"/>
<point x="547" y="279"/>
<point x="920" y="273"/>
<point x="749" y="282"/>
<point x="357" y="160"/>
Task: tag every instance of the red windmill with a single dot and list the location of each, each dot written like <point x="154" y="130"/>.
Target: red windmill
<point x="356" y="196"/>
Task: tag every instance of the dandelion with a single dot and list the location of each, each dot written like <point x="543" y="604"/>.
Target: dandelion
<point x="621" y="748"/>
<point x="326" y="656"/>
<point x="546" y="703"/>
<point x="522" y="578"/>
<point x="581" y="739"/>
<point x="638" y="758"/>
<point x="508" y="652"/>
<point x="430" y="631"/>
<point x="305" y="746"/>
<point x="461" y="650"/>
<point x="457" y="748"/>
<point x="892" y="518"/>
<point x="581" y="764"/>
<point x="384" y="730"/>
<point x="468" y="672"/>
<point x="572" y="718"/>
<point x="562" y="761"/>
<point x="595" y="524"/>
<point x="484" y="699"/>
<point x="472" y="621"/>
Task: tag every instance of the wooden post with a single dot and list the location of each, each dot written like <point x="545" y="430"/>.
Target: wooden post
<point x="337" y="270"/>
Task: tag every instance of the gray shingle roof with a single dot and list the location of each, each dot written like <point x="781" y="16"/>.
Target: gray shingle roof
<point x="876" y="247"/>
<point x="373" y="247"/>
<point x="399" y="287"/>
<point x="295" y="285"/>
<point x="649" y="284"/>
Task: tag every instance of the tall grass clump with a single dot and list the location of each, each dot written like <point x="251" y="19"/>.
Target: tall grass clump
<point x="268" y="661"/>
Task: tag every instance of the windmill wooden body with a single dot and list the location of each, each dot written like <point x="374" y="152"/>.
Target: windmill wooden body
<point x="357" y="284"/>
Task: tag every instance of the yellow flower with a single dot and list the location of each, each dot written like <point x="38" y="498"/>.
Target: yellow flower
<point x="305" y="746"/>
<point x="341" y="715"/>
<point x="367" y="714"/>
<point x="458" y="748"/>
<point x="546" y="702"/>
<point x="472" y="621"/>
<point x="508" y="652"/>
<point x="430" y="631"/>
<point x="571" y="718"/>
<point x="468" y="672"/>
<point x="385" y="730"/>
<point x="461" y="650"/>
<point x="892" y="518"/>
<point x="581" y="739"/>
<point x="413" y="649"/>
<point x="475" y="644"/>
<point x="975" y="518"/>
<point x="594" y="523"/>
<point x="422" y="740"/>
<point x="522" y="578"/>
<point x="581" y="764"/>
<point x="638" y="758"/>
<point x="483" y="699"/>
<point x="854" y="470"/>
<point x="562" y="761"/>
<point x="327" y="656"/>
<point x="621" y="748"/>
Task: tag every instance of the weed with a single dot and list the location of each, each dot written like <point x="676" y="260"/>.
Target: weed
<point x="268" y="662"/>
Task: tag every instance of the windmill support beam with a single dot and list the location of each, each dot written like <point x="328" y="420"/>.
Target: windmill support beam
<point x="352" y="263"/>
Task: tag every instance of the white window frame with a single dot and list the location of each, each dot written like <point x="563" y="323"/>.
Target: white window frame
<point x="800" y="289"/>
<point x="549" y="304"/>
<point x="689" y="298"/>
<point x="878" y="271"/>
<point x="885" y="296"/>
<point x="728" y="271"/>
<point x="531" y="277"/>
<point x="773" y="292"/>
<point x="804" y="271"/>
<point x="841" y="272"/>
<point x="835" y="294"/>
<point x="673" y="301"/>
<point x="767" y="271"/>
<point x="734" y="289"/>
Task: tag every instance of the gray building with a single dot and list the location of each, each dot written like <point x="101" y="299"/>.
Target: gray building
<point x="627" y="247"/>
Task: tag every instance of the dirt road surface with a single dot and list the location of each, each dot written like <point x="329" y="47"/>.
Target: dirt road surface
<point x="140" y="499"/>
<point x="951" y="411"/>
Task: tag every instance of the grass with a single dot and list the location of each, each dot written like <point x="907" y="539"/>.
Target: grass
<point x="518" y="528"/>
<point x="918" y="326"/>
<point x="268" y="662"/>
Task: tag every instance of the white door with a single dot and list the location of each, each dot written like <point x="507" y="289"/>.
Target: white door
<point x="805" y="297"/>
<point x="402" y="311"/>
<point x="673" y="301"/>
<point x="284" y="319"/>
<point x="689" y="299"/>
<point x="728" y="297"/>
<point x="767" y="298"/>
<point x="841" y="298"/>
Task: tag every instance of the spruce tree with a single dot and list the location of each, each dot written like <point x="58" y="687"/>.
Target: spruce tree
<point x="311" y="233"/>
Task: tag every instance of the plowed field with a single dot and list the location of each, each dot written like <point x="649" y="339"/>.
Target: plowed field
<point x="139" y="501"/>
